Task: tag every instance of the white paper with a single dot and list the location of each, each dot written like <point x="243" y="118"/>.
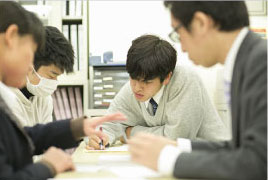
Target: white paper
<point x="92" y="178"/>
<point x="123" y="148"/>
<point x="134" y="171"/>
<point x="115" y="159"/>
<point x="87" y="168"/>
<point x="122" y="166"/>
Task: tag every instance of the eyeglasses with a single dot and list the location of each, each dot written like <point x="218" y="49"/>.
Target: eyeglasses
<point x="174" y="36"/>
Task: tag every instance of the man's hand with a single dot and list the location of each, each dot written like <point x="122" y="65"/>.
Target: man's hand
<point x="91" y="124"/>
<point x="145" y="148"/>
<point x="128" y="131"/>
<point x="60" y="160"/>
<point x="93" y="143"/>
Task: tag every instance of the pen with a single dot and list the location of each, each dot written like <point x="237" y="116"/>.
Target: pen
<point x="101" y="142"/>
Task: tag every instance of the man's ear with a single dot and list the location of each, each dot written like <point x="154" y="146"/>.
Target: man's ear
<point x="167" y="79"/>
<point x="201" y="23"/>
<point x="10" y="35"/>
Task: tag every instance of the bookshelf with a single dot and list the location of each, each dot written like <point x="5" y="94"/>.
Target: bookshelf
<point x="75" y="20"/>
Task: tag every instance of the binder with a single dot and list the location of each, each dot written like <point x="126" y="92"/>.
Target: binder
<point x="79" y="7"/>
<point x="60" y="104"/>
<point x="78" y="98"/>
<point x="73" y="33"/>
<point x="66" y="103"/>
<point x="72" y="8"/>
<point x="56" y="108"/>
<point x="64" y="8"/>
<point x="72" y="102"/>
<point x="80" y="47"/>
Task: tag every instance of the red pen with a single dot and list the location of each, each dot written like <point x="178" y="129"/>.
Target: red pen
<point x="101" y="142"/>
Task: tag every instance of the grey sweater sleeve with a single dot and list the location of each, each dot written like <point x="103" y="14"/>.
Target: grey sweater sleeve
<point x="125" y="104"/>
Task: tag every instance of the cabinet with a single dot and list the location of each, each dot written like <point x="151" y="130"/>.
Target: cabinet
<point x="104" y="83"/>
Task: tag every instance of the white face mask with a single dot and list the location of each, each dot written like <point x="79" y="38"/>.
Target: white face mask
<point x="45" y="87"/>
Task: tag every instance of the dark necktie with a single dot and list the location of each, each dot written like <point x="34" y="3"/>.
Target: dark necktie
<point x="154" y="105"/>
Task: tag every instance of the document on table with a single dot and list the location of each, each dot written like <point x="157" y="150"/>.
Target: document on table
<point x="91" y="178"/>
<point x="123" y="148"/>
<point x="120" y="165"/>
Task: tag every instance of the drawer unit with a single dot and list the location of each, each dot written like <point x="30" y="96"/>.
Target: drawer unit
<point x="105" y="83"/>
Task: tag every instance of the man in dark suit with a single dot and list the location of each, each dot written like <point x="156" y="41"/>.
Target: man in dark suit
<point x="21" y="33"/>
<point x="217" y="32"/>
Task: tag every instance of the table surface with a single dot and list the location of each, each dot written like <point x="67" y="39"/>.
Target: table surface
<point x="81" y="157"/>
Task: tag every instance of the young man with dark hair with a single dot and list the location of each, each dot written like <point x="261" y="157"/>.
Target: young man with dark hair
<point x="21" y="34"/>
<point x="160" y="98"/>
<point x="34" y="103"/>
<point x="217" y="32"/>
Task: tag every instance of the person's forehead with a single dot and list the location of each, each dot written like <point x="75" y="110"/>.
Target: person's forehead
<point x="51" y="69"/>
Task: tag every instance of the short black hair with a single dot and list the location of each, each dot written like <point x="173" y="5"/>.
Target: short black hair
<point x="58" y="51"/>
<point x="227" y="15"/>
<point x="150" y="57"/>
<point x="27" y="22"/>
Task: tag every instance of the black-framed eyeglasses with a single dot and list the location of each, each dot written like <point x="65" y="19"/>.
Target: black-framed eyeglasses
<point x="174" y="36"/>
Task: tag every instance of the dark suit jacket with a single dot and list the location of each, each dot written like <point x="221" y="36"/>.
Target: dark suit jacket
<point x="18" y="145"/>
<point x="245" y="157"/>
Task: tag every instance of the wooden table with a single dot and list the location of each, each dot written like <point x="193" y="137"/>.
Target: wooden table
<point x="81" y="157"/>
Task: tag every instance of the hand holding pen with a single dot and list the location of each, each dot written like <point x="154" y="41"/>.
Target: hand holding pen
<point x="102" y="146"/>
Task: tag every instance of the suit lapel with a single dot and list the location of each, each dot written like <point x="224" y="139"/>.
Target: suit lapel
<point x="236" y="86"/>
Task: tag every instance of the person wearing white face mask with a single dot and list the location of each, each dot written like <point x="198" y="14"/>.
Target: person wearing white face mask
<point x="44" y="88"/>
<point x="34" y="102"/>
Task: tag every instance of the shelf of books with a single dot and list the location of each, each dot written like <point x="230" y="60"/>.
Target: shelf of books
<point x="71" y="97"/>
<point x="68" y="102"/>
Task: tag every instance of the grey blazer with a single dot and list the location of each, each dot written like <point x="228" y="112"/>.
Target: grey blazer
<point x="245" y="156"/>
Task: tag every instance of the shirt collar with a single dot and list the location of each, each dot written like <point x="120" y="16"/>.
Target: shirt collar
<point x="8" y="96"/>
<point x="231" y="56"/>
<point x="156" y="97"/>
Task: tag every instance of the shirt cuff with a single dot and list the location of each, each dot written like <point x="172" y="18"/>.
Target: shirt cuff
<point x="184" y="145"/>
<point x="167" y="159"/>
<point x="77" y="128"/>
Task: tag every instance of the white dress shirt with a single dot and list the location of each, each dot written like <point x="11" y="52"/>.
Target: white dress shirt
<point x="169" y="154"/>
<point x="156" y="97"/>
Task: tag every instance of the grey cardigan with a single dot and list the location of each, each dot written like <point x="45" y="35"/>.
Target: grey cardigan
<point x="184" y="110"/>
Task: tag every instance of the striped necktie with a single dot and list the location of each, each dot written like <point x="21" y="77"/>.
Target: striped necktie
<point x="154" y="105"/>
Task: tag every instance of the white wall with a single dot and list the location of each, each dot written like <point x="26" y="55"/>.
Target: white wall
<point x="114" y="24"/>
